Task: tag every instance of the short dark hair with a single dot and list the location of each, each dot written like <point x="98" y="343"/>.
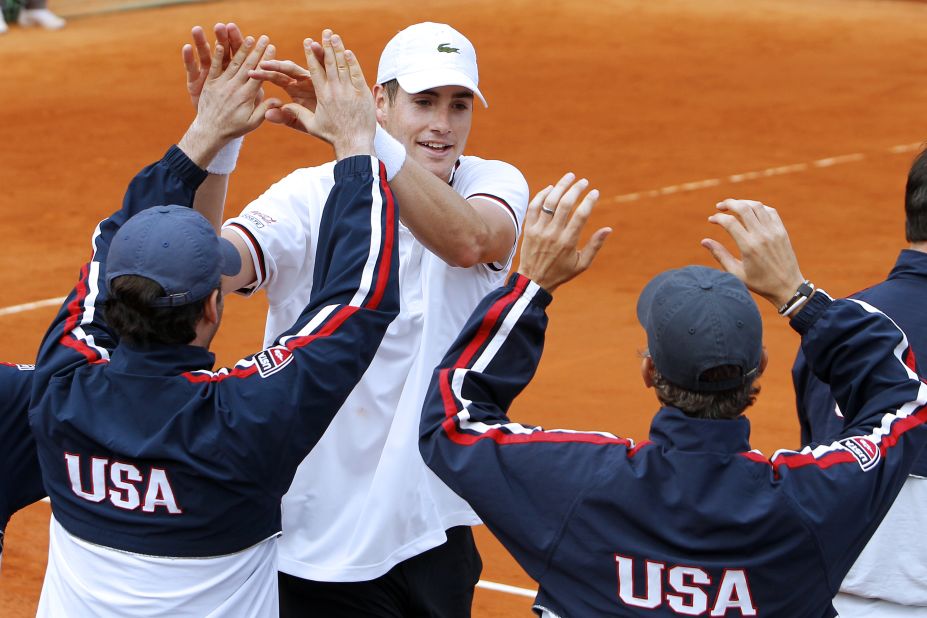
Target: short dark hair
<point x="128" y="313"/>
<point x="726" y="404"/>
<point x="391" y="87"/>
<point x="915" y="200"/>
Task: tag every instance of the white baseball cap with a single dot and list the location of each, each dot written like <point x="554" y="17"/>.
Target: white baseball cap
<point x="430" y="55"/>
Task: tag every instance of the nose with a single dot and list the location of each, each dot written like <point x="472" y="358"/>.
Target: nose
<point x="440" y="121"/>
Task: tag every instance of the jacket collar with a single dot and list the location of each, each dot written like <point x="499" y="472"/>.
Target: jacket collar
<point x="672" y="429"/>
<point x="910" y="263"/>
<point x="160" y="360"/>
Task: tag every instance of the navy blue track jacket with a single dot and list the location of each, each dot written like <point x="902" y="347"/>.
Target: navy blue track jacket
<point x="692" y="522"/>
<point x="148" y="450"/>
<point x="20" y="477"/>
<point x="903" y="298"/>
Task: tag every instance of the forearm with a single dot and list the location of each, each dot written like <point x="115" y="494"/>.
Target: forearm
<point x="861" y="354"/>
<point x="446" y="223"/>
<point x="210" y="199"/>
<point x="492" y="360"/>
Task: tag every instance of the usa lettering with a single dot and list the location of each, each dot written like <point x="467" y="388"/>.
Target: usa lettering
<point x="123" y="484"/>
<point x="686" y="590"/>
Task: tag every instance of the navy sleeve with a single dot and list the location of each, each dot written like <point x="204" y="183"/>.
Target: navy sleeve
<point x="289" y="393"/>
<point x="79" y="333"/>
<point x="523" y="481"/>
<point x="20" y="477"/>
<point x="819" y="417"/>
<point x="843" y="488"/>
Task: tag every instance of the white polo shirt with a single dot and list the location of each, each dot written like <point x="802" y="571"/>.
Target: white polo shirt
<point x="363" y="500"/>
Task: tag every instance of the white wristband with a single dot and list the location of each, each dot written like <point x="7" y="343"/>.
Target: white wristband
<point x="225" y="159"/>
<point x="389" y="151"/>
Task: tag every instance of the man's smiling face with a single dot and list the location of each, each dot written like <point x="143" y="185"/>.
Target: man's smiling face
<point x="433" y="125"/>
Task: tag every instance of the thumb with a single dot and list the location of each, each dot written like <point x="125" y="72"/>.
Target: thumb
<point x="291" y="115"/>
<point x="727" y="261"/>
<point x="262" y="109"/>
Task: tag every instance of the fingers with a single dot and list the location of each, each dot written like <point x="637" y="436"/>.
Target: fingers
<point x="576" y="223"/>
<point x="287" y="68"/>
<point x="261" y="110"/>
<point x="202" y="46"/>
<point x="566" y="203"/>
<point x="727" y="261"/>
<point x="314" y="62"/>
<point x="189" y="63"/>
<point x="222" y="38"/>
<point x="340" y="61"/>
<point x="534" y="207"/>
<point x="354" y="70"/>
<point x="317" y="50"/>
<point x="274" y="77"/>
<point x="239" y="58"/>
<point x="215" y="70"/>
<point x="236" y="38"/>
<point x="732" y="226"/>
<point x="549" y="206"/>
<point x="253" y="58"/>
<point x="751" y="213"/>
<point x="331" y="68"/>
<point x="588" y="253"/>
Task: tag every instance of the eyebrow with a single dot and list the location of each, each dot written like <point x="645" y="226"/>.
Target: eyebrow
<point x="463" y="94"/>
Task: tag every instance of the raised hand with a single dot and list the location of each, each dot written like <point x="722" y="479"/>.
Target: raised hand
<point x="294" y="80"/>
<point x="768" y="265"/>
<point x="550" y="253"/>
<point x="197" y="58"/>
<point x="344" y="114"/>
<point x="230" y="104"/>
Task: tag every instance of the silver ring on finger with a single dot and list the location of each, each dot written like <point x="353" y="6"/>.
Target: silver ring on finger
<point x="547" y="211"/>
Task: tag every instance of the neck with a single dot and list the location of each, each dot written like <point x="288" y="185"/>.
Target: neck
<point x="918" y="246"/>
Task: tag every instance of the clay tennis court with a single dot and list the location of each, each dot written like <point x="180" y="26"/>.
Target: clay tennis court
<point x="813" y="106"/>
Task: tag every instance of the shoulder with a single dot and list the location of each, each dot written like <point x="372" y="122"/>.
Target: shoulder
<point x="476" y="167"/>
<point x="309" y="177"/>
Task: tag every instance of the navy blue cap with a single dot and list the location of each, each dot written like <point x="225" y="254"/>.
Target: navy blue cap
<point x="176" y="247"/>
<point x="698" y="318"/>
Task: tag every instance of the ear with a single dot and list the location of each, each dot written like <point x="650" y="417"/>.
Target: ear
<point x="381" y="100"/>
<point x="211" y="311"/>
<point x="764" y="360"/>
<point x="647" y="371"/>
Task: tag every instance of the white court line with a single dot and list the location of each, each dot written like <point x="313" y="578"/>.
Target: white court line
<point x="522" y="592"/>
<point x="684" y="187"/>
<point x="48" y="302"/>
<point x="794" y="168"/>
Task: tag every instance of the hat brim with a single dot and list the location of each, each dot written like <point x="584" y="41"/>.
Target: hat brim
<point x="426" y="80"/>
<point x="231" y="259"/>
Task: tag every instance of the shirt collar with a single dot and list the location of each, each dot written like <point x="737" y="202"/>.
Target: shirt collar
<point x="161" y="360"/>
<point x="910" y="263"/>
<point x="672" y="429"/>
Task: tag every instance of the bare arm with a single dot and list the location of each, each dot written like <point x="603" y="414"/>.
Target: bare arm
<point x="210" y="198"/>
<point x="461" y="232"/>
<point x="474" y="231"/>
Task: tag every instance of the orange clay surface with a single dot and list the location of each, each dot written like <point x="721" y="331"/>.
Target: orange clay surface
<point x="634" y="94"/>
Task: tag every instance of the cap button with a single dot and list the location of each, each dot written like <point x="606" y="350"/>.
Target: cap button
<point x="705" y="285"/>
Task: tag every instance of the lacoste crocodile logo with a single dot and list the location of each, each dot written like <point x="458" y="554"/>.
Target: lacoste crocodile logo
<point x="447" y="49"/>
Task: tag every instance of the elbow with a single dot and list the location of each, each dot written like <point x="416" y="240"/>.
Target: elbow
<point x="465" y="258"/>
<point x="467" y="252"/>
